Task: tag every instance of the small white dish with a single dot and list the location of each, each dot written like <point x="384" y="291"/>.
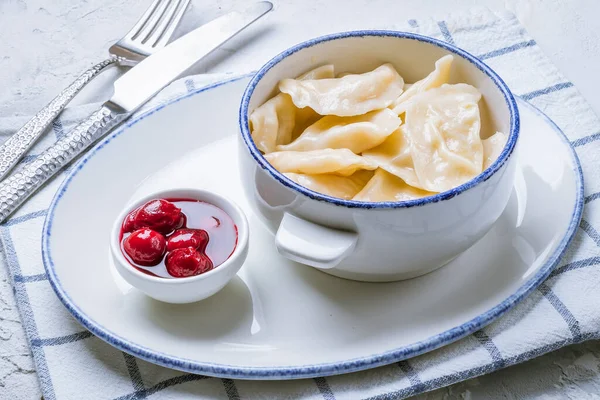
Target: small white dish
<point x="278" y="319"/>
<point x="384" y="241"/>
<point x="193" y="288"/>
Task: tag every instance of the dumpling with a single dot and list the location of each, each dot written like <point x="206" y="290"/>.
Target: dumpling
<point x="443" y="125"/>
<point x="492" y="147"/>
<point x="273" y="122"/>
<point x="384" y="186"/>
<point x="394" y="156"/>
<point x="307" y="116"/>
<point x="343" y="187"/>
<point x="439" y="76"/>
<point x="347" y="96"/>
<point x="357" y="133"/>
<point x="335" y="161"/>
<point x="276" y="121"/>
<point x="322" y="72"/>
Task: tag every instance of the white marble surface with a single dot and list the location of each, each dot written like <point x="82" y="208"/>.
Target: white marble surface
<point x="45" y="44"/>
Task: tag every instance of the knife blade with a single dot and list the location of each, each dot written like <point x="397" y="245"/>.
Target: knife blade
<point x="151" y="75"/>
<point x="132" y="90"/>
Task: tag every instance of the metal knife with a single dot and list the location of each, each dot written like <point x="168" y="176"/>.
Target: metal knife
<point x="131" y="91"/>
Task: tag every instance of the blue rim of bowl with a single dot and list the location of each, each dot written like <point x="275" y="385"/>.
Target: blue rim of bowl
<point x="304" y="371"/>
<point x="484" y="176"/>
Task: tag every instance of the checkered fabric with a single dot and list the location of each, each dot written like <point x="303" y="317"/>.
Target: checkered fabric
<point x="73" y="364"/>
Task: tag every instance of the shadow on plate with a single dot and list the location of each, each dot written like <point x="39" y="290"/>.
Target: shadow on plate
<point x="493" y="268"/>
<point x="226" y="312"/>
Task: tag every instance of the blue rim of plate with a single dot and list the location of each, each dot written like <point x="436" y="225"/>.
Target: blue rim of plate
<point x="304" y="371"/>
<point x="513" y="133"/>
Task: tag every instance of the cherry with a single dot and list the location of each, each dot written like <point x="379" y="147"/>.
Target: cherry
<point x="145" y="247"/>
<point x="159" y="215"/>
<point x="129" y="221"/>
<point x="196" y="238"/>
<point x="186" y="262"/>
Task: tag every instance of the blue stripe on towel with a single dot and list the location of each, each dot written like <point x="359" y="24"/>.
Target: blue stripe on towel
<point x="571" y="321"/>
<point x="506" y="50"/>
<point x="489" y="345"/>
<point x="588" y="262"/>
<point x="58" y="128"/>
<point x="30" y="278"/>
<point x="27" y="315"/>
<point x="445" y="32"/>
<point x="589" y="229"/>
<point x="413" y="377"/>
<point x="547" y="90"/>
<point x="585" y="140"/>
<point x="592" y="197"/>
<point x="27" y="159"/>
<point x="135" y="375"/>
<point x="26" y="217"/>
<point x="60" y="340"/>
<point x="230" y="389"/>
<point x="324" y="388"/>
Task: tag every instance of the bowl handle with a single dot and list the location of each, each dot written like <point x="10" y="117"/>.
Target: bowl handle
<point x="312" y="244"/>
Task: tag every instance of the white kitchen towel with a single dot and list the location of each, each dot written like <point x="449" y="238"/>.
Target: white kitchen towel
<point x="563" y="310"/>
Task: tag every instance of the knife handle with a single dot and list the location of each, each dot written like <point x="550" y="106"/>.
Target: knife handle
<point x="15" y="147"/>
<point x="19" y="186"/>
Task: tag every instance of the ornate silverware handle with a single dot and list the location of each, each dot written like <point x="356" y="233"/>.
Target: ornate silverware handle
<point x="19" y="186"/>
<point x="13" y="149"/>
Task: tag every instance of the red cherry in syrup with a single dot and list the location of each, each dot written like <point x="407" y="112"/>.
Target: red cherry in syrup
<point x="186" y="262"/>
<point x="159" y="215"/>
<point x="129" y="221"/>
<point x="196" y="238"/>
<point x="145" y="247"/>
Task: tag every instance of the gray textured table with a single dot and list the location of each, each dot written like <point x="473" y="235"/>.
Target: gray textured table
<point x="45" y="44"/>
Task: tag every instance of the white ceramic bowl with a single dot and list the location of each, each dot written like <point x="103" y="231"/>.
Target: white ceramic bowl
<point x="390" y="240"/>
<point x="194" y="288"/>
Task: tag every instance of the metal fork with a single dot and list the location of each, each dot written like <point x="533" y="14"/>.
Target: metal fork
<point x="151" y="33"/>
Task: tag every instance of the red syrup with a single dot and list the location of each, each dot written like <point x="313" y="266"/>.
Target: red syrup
<point x="176" y="238"/>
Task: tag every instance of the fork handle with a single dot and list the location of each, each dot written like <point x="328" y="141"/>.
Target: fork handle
<point x="15" y="147"/>
<point x="19" y="186"/>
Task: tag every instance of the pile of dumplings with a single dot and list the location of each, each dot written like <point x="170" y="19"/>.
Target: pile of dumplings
<point x="371" y="137"/>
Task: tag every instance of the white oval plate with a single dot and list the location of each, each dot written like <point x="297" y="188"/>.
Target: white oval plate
<point x="278" y="319"/>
